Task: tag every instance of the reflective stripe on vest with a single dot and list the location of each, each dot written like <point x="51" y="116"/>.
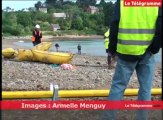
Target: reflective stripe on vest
<point x="39" y="33"/>
<point x="33" y="37"/>
<point x="106" y="40"/>
<point x="136" y="29"/>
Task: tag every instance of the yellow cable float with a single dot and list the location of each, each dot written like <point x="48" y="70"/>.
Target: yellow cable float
<point x="69" y="93"/>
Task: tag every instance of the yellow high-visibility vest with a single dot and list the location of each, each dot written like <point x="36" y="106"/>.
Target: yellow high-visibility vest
<point x="136" y="29"/>
<point x="106" y="40"/>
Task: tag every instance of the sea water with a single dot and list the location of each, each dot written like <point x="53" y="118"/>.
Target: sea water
<point x="93" y="47"/>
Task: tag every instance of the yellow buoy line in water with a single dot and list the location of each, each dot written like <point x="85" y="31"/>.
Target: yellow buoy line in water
<point x="55" y="93"/>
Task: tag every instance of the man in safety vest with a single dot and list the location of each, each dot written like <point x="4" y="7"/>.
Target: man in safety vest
<point x="106" y="43"/>
<point x="37" y="36"/>
<point x="135" y="36"/>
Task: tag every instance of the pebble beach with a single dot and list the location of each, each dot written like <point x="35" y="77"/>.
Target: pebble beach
<point x="90" y="72"/>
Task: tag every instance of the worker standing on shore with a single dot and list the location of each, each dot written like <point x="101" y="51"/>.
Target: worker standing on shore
<point x="106" y="43"/>
<point x="57" y="46"/>
<point x="79" y="49"/>
<point x="135" y="36"/>
<point x="37" y="36"/>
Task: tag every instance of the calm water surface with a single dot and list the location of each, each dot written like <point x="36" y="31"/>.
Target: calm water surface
<point x="89" y="47"/>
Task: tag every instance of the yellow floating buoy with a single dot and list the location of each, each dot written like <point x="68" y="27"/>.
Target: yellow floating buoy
<point x="8" y="53"/>
<point x="44" y="46"/>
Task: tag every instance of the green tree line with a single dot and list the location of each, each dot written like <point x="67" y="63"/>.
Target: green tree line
<point x="78" y="20"/>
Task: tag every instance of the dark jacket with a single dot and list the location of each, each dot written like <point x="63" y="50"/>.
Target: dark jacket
<point x="114" y="26"/>
<point x="56" y="45"/>
<point x="79" y="47"/>
<point x="37" y="36"/>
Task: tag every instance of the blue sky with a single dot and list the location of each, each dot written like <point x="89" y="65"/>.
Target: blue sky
<point x="20" y="4"/>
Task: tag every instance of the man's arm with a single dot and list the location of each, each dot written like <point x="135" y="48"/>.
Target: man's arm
<point x="157" y="40"/>
<point x="114" y="25"/>
<point x="41" y="35"/>
<point x="34" y="33"/>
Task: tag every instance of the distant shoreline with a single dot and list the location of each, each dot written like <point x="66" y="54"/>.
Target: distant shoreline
<point x="51" y="38"/>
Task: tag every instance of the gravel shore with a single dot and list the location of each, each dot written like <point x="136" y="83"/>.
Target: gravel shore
<point x="90" y="72"/>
